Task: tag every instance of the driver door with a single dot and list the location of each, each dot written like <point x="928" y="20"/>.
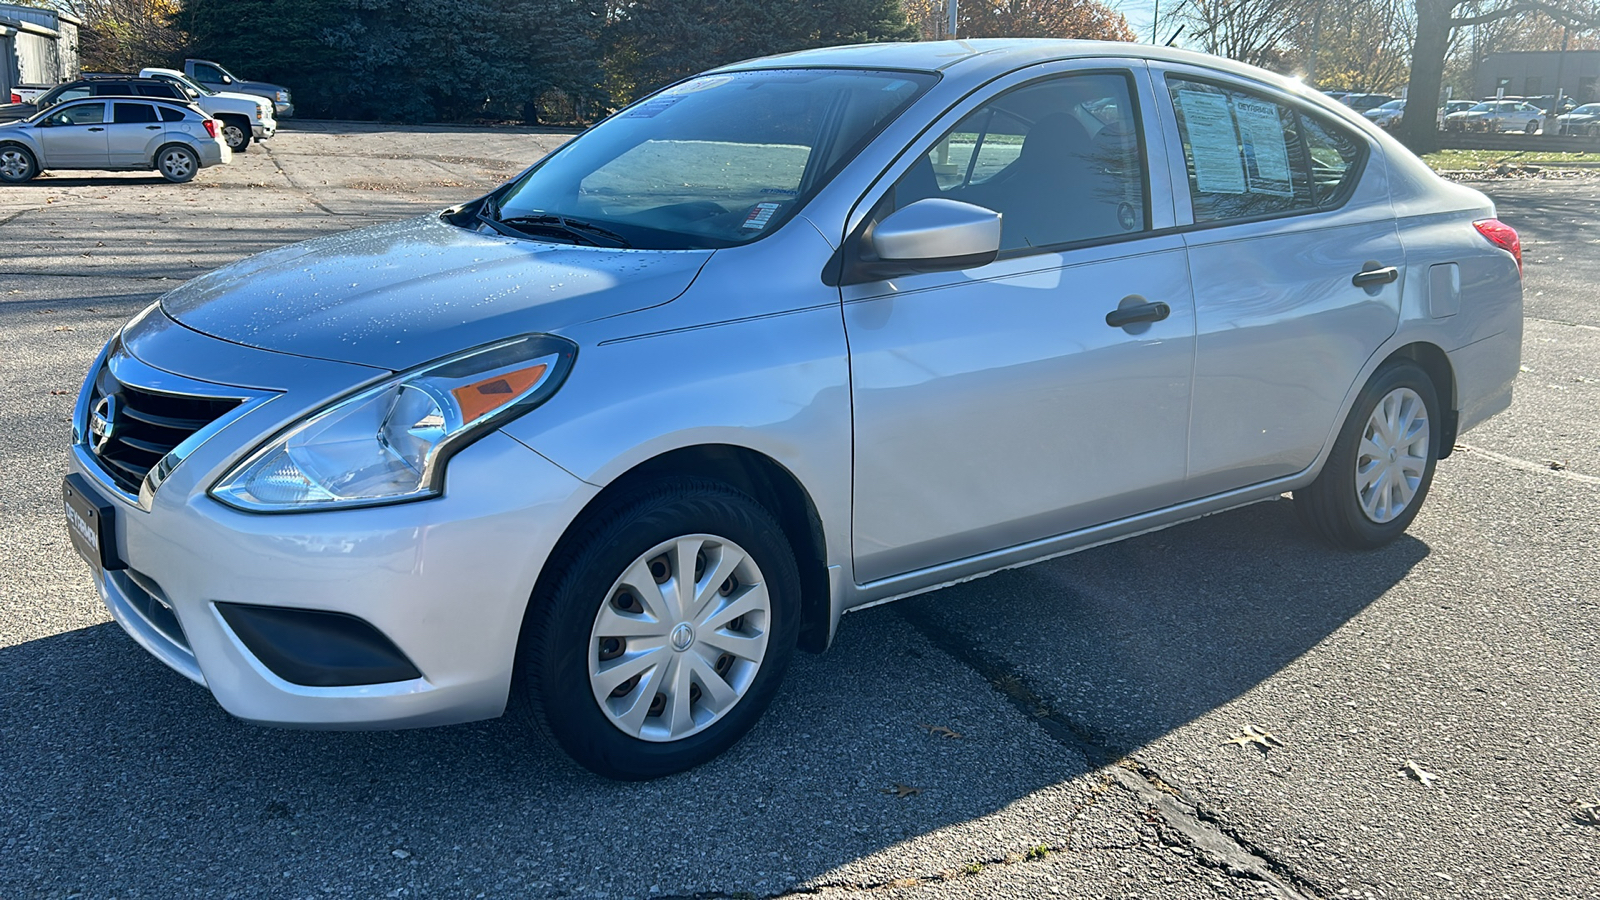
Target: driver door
<point x="75" y="136"/>
<point x="997" y="406"/>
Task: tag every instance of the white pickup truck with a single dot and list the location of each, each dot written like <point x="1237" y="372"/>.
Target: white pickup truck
<point x="241" y="117"/>
<point x="24" y="93"/>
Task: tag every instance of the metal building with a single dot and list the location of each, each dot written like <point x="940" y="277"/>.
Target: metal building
<point x="37" y="47"/>
<point x="1534" y="73"/>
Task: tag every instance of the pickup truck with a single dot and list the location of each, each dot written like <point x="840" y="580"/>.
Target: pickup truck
<point x="214" y="76"/>
<point x="242" y="117"/>
<point x="27" y="93"/>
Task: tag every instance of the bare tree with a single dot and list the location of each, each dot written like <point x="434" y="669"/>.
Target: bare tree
<point x="1252" y="31"/>
<point x="1019" y="18"/>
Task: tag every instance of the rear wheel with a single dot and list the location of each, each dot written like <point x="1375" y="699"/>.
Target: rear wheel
<point x="665" y="633"/>
<point x="1531" y="127"/>
<point x="177" y="163"/>
<point x="17" y="164"/>
<point x="235" y="133"/>
<point x="1382" y="462"/>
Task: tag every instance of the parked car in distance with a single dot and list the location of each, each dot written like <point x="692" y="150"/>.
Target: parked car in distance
<point x="116" y="133"/>
<point x="1388" y="115"/>
<point x="215" y="77"/>
<point x="1493" y="116"/>
<point x="790" y="338"/>
<point x="1547" y="103"/>
<point x="1583" y="120"/>
<point x="242" y="117"/>
<point x="1364" y="102"/>
<point x="96" y="86"/>
<point x="1453" y="106"/>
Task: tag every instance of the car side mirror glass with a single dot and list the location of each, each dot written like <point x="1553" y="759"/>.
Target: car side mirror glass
<point x="227" y="79"/>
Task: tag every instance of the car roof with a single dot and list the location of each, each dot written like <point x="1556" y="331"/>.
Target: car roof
<point x="101" y="98"/>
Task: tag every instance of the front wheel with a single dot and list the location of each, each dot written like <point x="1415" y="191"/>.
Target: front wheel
<point x="236" y="134"/>
<point x="17" y="164"/>
<point x="1382" y="462"/>
<point x="665" y="632"/>
<point x="177" y="164"/>
<point x="1530" y="128"/>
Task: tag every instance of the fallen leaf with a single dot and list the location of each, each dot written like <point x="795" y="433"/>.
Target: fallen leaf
<point x="1415" y="772"/>
<point x="63" y="328"/>
<point x="58" y="393"/>
<point x="1588" y="813"/>
<point x="902" y="791"/>
<point x="1255" y="734"/>
<point x="943" y="731"/>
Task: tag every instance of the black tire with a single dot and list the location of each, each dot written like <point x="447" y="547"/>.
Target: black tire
<point x="552" y="682"/>
<point x="20" y="161"/>
<point x="235" y="133"/>
<point x="1331" y="506"/>
<point x="1531" y="127"/>
<point x="177" y="163"/>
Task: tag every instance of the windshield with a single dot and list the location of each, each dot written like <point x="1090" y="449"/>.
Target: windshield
<point x="1588" y="109"/>
<point x="187" y="86"/>
<point x="1394" y="104"/>
<point x="716" y="161"/>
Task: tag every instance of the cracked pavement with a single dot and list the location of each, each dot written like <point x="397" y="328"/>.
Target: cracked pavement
<point x="1095" y="696"/>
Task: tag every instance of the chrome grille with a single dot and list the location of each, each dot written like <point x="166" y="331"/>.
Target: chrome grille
<point x="129" y="429"/>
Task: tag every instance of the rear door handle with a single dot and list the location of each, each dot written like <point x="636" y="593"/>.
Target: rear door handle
<point x="1370" y="277"/>
<point x="152" y="128"/>
<point x="97" y="128"/>
<point x="1124" y="316"/>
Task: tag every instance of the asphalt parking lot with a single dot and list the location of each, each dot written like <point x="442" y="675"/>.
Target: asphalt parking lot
<point x="1066" y="729"/>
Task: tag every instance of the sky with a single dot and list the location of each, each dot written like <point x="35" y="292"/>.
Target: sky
<point x="1139" y="12"/>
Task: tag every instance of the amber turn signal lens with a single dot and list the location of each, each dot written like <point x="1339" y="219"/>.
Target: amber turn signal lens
<point x="488" y="395"/>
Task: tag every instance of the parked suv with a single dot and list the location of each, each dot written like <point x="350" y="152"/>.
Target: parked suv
<point x="176" y="139"/>
<point x="241" y="117"/>
<point x="93" y="86"/>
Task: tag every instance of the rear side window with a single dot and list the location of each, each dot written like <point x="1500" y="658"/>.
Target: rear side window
<point x="112" y="89"/>
<point x="1249" y="157"/>
<point x="157" y="90"/>
<point x="168" y="114"/>
<point x="132" y="113"/>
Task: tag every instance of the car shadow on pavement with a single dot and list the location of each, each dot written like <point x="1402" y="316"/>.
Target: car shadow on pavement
<point x="121" y="778"/>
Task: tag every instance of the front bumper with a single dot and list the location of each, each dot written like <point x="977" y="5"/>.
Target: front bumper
<point x="282" y="110"/>
<point x="445" y="580"/>
<point x="262" y="130"/>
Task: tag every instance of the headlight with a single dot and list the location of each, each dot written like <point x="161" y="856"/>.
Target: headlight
<point x="283" y="96"/>
<point x="389" y="443"/>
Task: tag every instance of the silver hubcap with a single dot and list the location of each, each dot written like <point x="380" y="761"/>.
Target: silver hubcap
<point x="680" y="638"/>
<point x="13" y="164"/>
<point x="176" y="163"/>
<point x="233" y="134"/>
<point x="1393" y="455"/>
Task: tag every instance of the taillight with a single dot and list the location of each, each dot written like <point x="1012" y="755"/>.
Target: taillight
<point x="16" y="97"/>
<point x="1503" y="236"/>
<point x="211" y="129"/>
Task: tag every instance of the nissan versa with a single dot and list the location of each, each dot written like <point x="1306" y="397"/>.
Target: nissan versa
<point x="789" y="338"/>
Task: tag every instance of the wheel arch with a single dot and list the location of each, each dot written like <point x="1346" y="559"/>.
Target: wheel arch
<point x="1433" y="361"/>
<point x="772" y="485"/>
<point x="155" y="157"/>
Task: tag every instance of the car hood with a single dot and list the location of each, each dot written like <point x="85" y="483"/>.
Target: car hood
<point x="235" y="95"/>
<point x="399" y="295"/>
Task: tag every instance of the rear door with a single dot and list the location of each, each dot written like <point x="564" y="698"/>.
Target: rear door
<point x="997" y="406"/>
<point x="74" y="136"/>
<point x="133" y="129"/>
<point x="1297" y="269"/>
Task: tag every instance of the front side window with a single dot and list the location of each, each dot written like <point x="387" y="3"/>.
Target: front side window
<point x="1249" y="157"/>
<point x="207" y="73"/>
<point x="716" y="161"/>
<point x="81" y="114"/>
<point x="1059" y="160"/>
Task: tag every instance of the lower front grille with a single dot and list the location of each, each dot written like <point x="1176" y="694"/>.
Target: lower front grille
<point x="147" y="599"/>
<point x="129" y="428"/>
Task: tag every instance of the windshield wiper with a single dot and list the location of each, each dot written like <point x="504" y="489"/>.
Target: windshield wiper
<point x="587" y="232"/>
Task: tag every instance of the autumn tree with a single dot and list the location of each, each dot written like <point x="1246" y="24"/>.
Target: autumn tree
<point x="1086" y="19"/>
<point x="125" y="35"/>
<point x="1251" y="31"/>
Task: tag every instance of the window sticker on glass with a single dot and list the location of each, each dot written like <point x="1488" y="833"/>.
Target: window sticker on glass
<point x="1213" y="143"/>
<point x="1266" y="156"/>
<point x="652" y="108"/>
<point x="760" y="215"/>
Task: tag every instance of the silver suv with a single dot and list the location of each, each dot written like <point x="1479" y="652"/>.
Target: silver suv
<point x="175" y="139"/>
<point x="784" y="340"/>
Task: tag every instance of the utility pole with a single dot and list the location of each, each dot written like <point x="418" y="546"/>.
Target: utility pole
<point x="952" y="7"/>
<point x="1155" y="23"/>
<point x="1316" y="40"/>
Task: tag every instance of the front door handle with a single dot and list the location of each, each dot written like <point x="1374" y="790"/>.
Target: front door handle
<point x="1374" y="276"/>
<point x="97" y="128"/>
<point x="1124" y="316"/>
<point x="152" y="128"/>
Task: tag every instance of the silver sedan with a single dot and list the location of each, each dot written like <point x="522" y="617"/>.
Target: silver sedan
<point x="781" y="341"/>
<point x="142" y="133"/>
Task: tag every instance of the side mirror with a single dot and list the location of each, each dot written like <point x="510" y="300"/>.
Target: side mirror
<point x="932" y="235"/>
<point x="227" y="79"/>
